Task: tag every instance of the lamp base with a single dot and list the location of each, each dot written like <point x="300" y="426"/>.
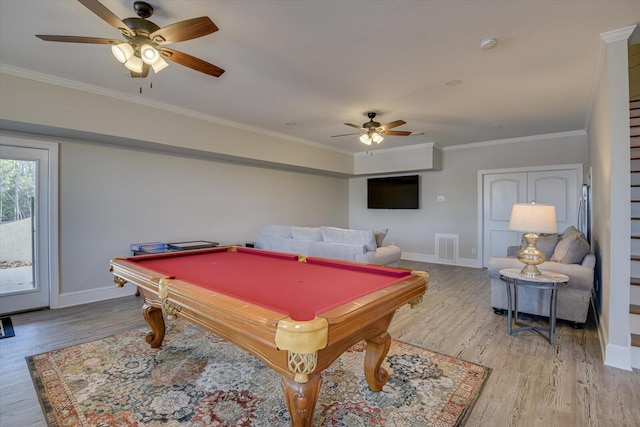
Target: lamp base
<point x="531" y="257"/>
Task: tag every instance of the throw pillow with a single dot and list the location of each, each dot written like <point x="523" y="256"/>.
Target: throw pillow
<point x="306" y="233"/>
<point x="342" y="235"/>
<point x="570" y="230"/>
<point x="572" y="248"/>
<point x="270" y="230"/>
<point x="380" y="235"/>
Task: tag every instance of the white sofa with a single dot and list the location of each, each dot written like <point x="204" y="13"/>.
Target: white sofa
<point x="569" y="254"/>
<point x="364" y="246"/>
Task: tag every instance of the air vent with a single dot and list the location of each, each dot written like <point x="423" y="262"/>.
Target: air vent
<point x="447" y="248"/>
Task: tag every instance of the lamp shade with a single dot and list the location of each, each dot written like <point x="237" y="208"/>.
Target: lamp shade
<point x="134" y="64"/>
<point x="365" y="139"/>
<point x="149" y="54"/>
<point x="533" y="217"/>
<point x="377" y="138"/>
<point x="159" y="65"/>
<point x="122" y="51"/>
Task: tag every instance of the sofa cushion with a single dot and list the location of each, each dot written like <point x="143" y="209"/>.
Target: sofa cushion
<point x="341" y="235"/>
<point x="306" y="233"/>
<point x="271" y="230"/>
<point x="572" y="248"/>
<point x="380" y="235"/>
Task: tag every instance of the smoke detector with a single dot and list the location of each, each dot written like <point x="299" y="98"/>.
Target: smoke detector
<point x="488" y="43"/>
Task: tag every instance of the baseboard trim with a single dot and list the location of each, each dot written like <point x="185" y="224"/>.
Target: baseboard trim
<point x="614" y="355"/>
<point x="618" y="356"/>
<point x="70" y="299"/>
<point x="462" y="262"/>
<point x="601" y="332"/>
<point x="635" y="357"/>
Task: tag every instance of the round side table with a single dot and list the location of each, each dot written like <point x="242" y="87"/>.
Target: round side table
<point x="546" y="281"/>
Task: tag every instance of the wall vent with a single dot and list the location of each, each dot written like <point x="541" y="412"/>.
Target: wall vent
<point x="447" y="247"/>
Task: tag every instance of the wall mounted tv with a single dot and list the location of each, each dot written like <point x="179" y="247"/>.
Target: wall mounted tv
<point x="397" y="192"/>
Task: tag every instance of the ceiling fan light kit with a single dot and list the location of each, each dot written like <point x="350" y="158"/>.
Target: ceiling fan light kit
<point x="144" y="46"/>
<point x="368" y="138"/>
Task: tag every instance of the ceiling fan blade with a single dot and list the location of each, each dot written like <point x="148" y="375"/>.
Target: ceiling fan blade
<point x="96" y="7"/>
<point x="144" y="73"/>
<point x="77" y="39"/>
<point x="191" y="62"/>
<point x="184" y="30"/>
<point x="346" y="134"/>
<point x="392" y="124"/>
<point x="396" y="132"/>
<point x="354" y="126"/>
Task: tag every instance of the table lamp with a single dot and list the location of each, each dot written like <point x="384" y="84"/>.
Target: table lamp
<point x="532" y="218"/>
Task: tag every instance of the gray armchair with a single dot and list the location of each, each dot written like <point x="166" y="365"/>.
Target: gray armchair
<point x="573" y="301"/>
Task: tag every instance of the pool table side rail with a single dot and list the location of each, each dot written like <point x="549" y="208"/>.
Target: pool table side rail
<point x="368" y="316"/>
<point x="248" y="326"/>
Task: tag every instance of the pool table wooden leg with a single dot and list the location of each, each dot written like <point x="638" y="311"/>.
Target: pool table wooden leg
<point x="153" y="316"/>
<point x="377" y="349"/>
<point x="301" y="399"/>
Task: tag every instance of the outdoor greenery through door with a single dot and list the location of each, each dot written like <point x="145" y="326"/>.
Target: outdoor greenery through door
<point x="17" y="197"/>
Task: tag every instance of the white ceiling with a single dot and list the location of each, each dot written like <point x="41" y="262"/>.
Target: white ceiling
<point x="302" y="68"/>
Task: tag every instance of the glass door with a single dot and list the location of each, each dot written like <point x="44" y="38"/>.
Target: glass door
<point x="24" y="272"/>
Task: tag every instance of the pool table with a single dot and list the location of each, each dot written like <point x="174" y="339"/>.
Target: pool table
<point x="295" y="313"/>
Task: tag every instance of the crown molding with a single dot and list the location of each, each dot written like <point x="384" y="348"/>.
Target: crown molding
<point x="58" y="81"/>
<point x="70" y="84"/>
<point x="618" y="35"/>
<point x="518" y="140"/>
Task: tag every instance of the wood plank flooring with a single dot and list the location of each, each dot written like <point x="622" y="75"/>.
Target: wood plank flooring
<point x="533" y="383"/>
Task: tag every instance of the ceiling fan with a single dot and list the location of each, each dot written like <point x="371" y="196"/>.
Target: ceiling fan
<point x="372" y="131"/>
<point x="144" y="47"/>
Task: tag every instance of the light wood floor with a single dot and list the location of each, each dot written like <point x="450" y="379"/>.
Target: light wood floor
<point x="532" y="383"/>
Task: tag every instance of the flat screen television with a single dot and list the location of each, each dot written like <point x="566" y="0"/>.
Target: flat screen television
<point x="397" y="192"/>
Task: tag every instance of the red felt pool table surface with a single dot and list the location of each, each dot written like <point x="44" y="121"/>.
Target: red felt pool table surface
<point x="277" y="281"/>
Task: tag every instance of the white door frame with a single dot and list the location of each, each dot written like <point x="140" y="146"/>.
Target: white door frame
<point x="481" y="173"/>
<point x="51" y="239"/>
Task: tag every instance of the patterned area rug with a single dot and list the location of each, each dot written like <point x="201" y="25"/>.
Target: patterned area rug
<point x="197" y="379"/>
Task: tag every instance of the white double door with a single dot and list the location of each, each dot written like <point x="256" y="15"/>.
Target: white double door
<point x="560" y="186"/>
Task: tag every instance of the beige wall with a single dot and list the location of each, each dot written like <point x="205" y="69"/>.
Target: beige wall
<point x="104" y="186"/>
<point x="135" y="173"/>
<point x="48" y="105"/>
<point x="600" y="149"/>
<point x="414" y="230"/>
<point x="111" y="197"/>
